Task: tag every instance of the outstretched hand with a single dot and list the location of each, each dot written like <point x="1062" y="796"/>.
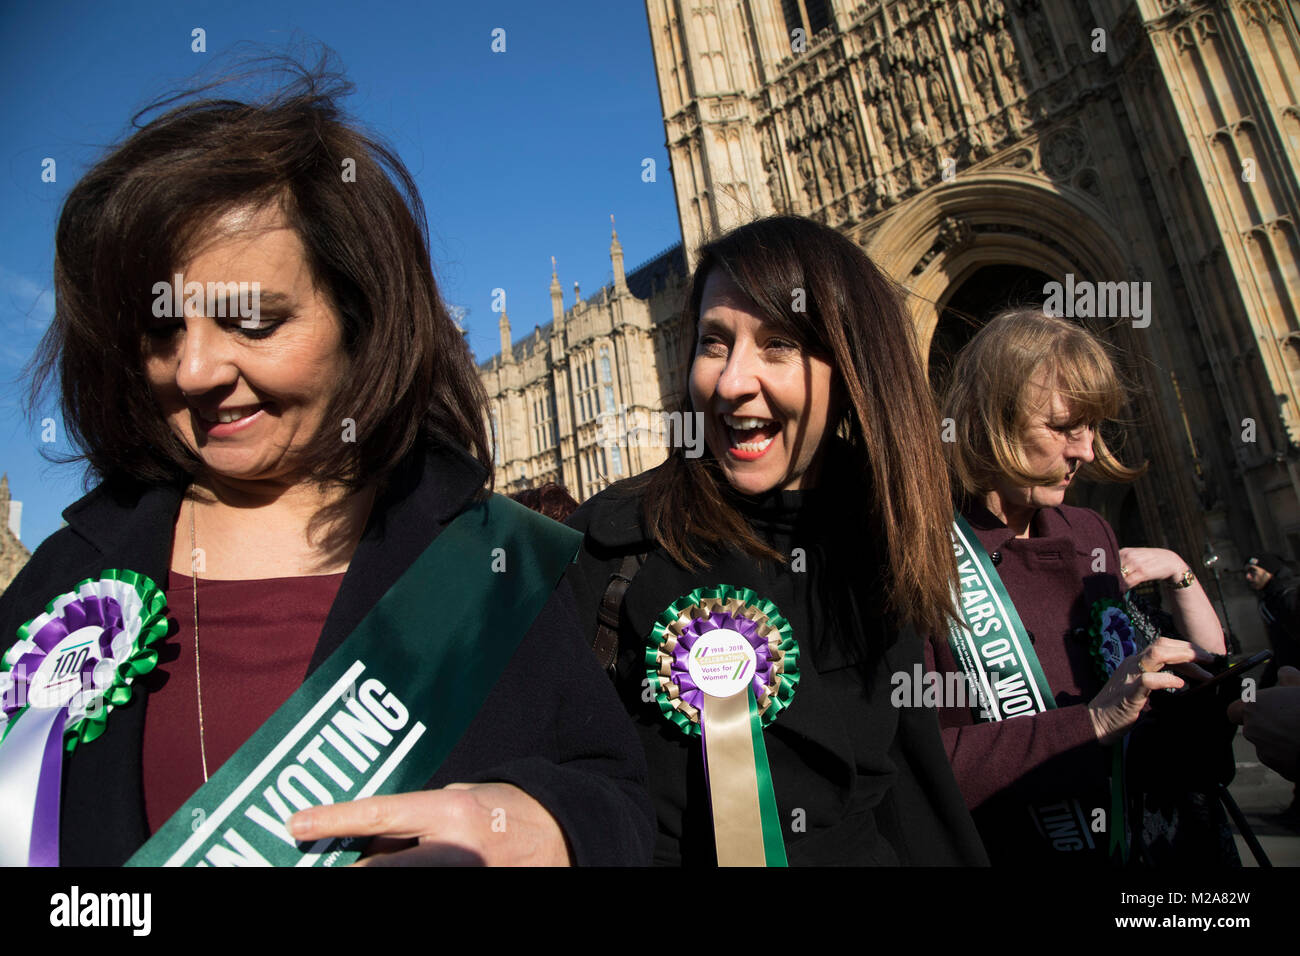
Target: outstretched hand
<point x="1272" y="723"/>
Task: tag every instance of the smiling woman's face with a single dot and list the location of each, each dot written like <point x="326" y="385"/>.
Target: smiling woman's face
<point x="246" y="399"/>
<point x="765" y="401"/>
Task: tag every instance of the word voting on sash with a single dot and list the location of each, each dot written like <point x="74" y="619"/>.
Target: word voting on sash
<point x="344" y="748"/>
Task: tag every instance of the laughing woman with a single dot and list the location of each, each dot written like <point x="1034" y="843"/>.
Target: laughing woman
<point x="778" y="583"/>
<point x="291" y="582"/>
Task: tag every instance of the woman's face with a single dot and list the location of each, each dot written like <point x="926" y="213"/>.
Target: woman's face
<point x="766" y="403"/>
<point x="245" y="395"/>
<point x="1052" y="442"/>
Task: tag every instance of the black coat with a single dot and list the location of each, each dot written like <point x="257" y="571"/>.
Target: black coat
<point x="1279" y="606"/>
<point x="857" y="781"/>
<point x="571" y="748"/>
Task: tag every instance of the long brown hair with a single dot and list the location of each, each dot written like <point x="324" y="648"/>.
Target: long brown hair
<point x="133" y="217"/>
<point x="854" y="316"/>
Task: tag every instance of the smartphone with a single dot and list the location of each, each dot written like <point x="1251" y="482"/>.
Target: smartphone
<point x="1233" y="668"/>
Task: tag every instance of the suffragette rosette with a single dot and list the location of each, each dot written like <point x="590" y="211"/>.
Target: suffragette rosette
<point x="1113" y="636"/>
<point x="723" y="664"/>
<point x="1118" y="630"/>
<point x="71" y="666"/>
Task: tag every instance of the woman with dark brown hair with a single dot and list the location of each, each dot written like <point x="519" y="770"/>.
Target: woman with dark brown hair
<point x="779" y="582"/>
<point x="291" y="587"/>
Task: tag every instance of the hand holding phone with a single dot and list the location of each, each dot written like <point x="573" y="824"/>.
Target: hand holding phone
<point x="1232" y="667"/>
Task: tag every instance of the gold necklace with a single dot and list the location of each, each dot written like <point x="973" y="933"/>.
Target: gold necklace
<point x="198" y="683"/>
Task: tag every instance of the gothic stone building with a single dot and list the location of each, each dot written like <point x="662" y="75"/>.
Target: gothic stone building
<point x="13" y="553"/>
<point x="606" y="363"/>
<point x="979" y="150"/>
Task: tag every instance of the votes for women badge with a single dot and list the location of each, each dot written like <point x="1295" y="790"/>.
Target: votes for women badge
<point x="723" y="664"/>
<point x="71" y="666"/>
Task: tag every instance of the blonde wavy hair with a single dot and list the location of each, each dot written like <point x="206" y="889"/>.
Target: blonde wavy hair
<point x="1002" y="378"/>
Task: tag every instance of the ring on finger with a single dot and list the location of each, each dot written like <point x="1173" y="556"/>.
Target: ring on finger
<point x="1144" y="669"/>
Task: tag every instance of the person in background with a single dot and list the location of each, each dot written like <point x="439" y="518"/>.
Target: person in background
<point x="1277" y="589"/>
<point x="550" y="499"/>
<point x="1272" y="723"/>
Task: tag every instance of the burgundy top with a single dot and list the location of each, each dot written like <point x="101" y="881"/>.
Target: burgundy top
<point x="1002" y="767"/>
<point x="256" y="639"/>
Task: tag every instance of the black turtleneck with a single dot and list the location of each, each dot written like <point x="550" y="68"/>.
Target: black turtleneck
<point x="834" y="570"/>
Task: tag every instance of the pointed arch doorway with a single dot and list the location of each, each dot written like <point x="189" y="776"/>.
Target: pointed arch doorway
<point x="970" y="304"/>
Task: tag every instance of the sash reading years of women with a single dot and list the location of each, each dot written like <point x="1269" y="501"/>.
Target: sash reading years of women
<point x="382" y="713"/>
<point x="992" y="647"/>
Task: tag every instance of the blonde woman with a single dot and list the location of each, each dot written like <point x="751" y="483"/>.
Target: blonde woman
<point x="1060" y="671"/>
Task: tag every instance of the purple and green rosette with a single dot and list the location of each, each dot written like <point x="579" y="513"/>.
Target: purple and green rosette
<point x="1112" y="635"/>
<point x="723" y="664"/>
<point x="71" y="666"/>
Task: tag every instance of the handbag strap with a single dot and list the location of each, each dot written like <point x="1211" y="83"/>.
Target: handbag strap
<point x="605" y="643"/>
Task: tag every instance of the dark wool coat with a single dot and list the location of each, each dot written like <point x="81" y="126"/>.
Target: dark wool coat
<point x="551" y="725"/>
<point x="1070" y="561"/>
<point x="1279" y="606"/>
<point x="857" y="781"/>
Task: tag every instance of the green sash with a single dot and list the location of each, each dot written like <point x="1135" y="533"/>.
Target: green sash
<point x="992" y="646"/>
<point x="382" y="713"/>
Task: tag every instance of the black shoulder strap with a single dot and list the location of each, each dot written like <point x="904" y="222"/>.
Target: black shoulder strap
<point x="605" y="643"/>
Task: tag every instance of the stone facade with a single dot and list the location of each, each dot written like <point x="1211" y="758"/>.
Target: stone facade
<point x="557" y="396"/>
<point x="978" y="149"/>
<point x="13" y="553"/>
<point x="977" y="143"/>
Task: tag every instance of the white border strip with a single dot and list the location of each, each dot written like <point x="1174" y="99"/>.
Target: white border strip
<point x="1011" y="631"/>
<point x="385" y="770"/>
<point x="237" y="795"/>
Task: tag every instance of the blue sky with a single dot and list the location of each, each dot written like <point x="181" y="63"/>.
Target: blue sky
<point x="519" y="155"/>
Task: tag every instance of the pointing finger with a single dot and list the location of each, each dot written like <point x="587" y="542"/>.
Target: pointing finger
<point x="403" y="816"/>
<point x="1192" y="671"/>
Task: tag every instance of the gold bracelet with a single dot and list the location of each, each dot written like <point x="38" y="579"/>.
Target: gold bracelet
<point x="1188" y="579"/>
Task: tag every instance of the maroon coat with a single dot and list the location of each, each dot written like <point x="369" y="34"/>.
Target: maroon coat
<point x="1004" y="768"/>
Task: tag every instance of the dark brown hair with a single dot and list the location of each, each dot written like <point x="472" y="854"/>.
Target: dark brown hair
<point x="997" y="384"/>
<point x="132" y="219"/>
<point x="854" y="316"/>
<point x="550" y="499"/>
